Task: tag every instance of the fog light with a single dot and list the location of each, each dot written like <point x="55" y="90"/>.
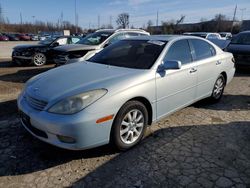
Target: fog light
<point x="66" y="139"/>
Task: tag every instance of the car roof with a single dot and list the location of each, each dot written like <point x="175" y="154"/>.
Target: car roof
<point x="165" y="38"/>
<point x="201" y="33"/>
<point x="121" y="30"/>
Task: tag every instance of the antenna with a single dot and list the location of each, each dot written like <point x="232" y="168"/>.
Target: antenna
<point x="157" y="18"/>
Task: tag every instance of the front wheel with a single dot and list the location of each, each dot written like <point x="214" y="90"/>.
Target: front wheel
<point x="129" y="125"/>
<point x="218" y="89"/>
<point x="39" y="59"/>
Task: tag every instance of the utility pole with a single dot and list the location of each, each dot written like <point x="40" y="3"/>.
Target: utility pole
<point x="21" y="18"/>
<point x="33" y="19"/>
<point x="235" y="11"/>
<point x="76" y="18"/>
<point x="157" y="18"/>
<point x="98" y="20"/>
<point x="242" y="13"/>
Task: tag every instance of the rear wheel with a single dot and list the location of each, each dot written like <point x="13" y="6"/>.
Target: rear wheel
<point x="218" y="89"/>
<point x="129" y="125"/>
<point x="39" y="59"/>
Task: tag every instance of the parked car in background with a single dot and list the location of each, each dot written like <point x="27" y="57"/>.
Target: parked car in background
<point x="240" y="47"/>
<point x="3" y="37"/>
<point x="122" y="89"/>
<point x="43" y="37"/>
<point x="205" y="35"/>
<point x="34" y="37"/>
<point x="39" y="54"/>
<point x="226" y="35"/>
<point x="23" y="37"/>
<point x="92" y="44"/>
<point x="12" y="37"/>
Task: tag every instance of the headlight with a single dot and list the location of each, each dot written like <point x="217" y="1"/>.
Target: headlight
<point x="77" y="103"/>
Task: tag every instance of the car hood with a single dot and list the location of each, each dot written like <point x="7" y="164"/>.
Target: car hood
<point x="25" y="46"/>
<point x="220" y="43"/>
<point x="77" y="78"/>
<point x="75" y="47"/>
<point x="239" y="48"/>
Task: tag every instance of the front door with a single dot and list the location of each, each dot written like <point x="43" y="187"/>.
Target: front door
<point x="176" y="88"/>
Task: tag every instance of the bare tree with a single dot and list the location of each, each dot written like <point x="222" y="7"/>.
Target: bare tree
<point x="180" y="20"/>
<point x="149" y="26"/>
<point x="123" y="20"/>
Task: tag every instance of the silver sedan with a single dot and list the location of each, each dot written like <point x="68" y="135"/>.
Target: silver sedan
<point x="117" y="93"/>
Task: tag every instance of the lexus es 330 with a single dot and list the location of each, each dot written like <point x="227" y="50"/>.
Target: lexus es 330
<point x="117" y="93"/>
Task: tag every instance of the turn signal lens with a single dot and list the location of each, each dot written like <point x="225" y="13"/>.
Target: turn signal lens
<point x="103" y="119"/>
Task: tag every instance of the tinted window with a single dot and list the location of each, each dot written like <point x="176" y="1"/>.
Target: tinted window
<point x="213" y="36"/>
<point x="74" y="40"/>
<point x="117" y="37"/>
<point x="138" y="54"/>
<point x="95" y="38"/>
<point x="179" y="51"/>
<point x="202" y="49"/>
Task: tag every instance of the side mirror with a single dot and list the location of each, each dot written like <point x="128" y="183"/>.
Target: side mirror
<point x="169" y="64"/>
<point x="55" y="44"/>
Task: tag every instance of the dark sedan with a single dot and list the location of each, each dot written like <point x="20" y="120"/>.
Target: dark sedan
<point x="40" y="53"/>
<point x="13" y="37"/>
<point x="240" y="47"/>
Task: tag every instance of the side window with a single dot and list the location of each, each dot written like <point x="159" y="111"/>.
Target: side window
<point x="179" y="51"/>
<point x="74" y="40"/>
<point x="62" y="41"/>
<point x="117" y="37"/>
<point x="202" y="49"/>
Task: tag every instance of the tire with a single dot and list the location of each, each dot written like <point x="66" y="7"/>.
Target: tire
<point x="39" y="59"/>
<point x="218" y="89"/>
<point x="129" y="125"/>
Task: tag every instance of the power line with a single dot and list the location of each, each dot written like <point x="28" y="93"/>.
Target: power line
<point x="242" y="12"/>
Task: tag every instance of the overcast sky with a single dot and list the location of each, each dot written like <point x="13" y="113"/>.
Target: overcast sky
<point x="140" y="10"/>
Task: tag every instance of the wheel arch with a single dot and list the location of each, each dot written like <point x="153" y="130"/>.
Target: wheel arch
<point x="148" y="106"/>
<point x="224" y="74"/>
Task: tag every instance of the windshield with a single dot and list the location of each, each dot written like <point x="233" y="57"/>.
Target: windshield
<point x="241" y="39"/>
<point x="47" y="41"/>
<point x="95" y="38"/>
<point x="137" y="54"/>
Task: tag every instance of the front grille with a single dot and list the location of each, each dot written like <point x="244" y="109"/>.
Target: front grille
<point x="35" y="103"/>
<point x="26" y="121"/>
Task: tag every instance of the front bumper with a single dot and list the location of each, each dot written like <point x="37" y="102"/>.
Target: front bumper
<point x="81" y="127"/>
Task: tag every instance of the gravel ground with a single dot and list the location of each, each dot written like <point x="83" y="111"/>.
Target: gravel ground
<point x="7" y="46"/>
<point x="203" y="145"/>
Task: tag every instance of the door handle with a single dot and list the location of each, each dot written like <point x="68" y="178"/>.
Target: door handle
<point x="192" y="70"/>
<point x="218" y="62"/>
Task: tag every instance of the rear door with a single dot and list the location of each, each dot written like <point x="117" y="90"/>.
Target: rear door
<point x="204" y="56"/>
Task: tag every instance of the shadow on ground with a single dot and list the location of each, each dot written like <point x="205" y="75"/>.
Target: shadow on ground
<point x="193" y="156"/>
<point x="176" y="156"/>
<point x="227" y="103"/>
<point x="21" y="76"/>
<point x="7" y="108"/>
